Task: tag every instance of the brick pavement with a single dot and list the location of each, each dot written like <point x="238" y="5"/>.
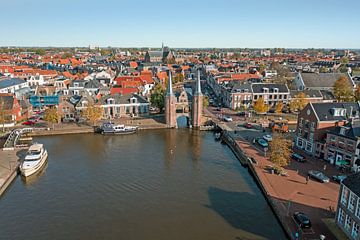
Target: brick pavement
<point x="292" y="193"/>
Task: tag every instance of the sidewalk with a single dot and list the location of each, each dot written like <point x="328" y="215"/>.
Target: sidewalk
<point x="9" y="163"/>
<point x="292" y="193"/>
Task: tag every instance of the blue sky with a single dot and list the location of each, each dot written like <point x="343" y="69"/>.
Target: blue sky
<point x="186" y="23"/>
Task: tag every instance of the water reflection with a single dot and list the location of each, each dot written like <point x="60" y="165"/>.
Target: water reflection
<point x="169" y="148"/>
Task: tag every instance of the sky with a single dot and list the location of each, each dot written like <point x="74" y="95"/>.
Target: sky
<point x="182" y="23"/>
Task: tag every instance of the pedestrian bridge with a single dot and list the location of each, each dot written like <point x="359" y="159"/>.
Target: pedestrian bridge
<point x="13" y="138"/>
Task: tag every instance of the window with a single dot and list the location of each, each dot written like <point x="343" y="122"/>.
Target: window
<point x="357" y="212"/>
<point x="355" y="230"/>
<point x="300" y="142"/>
<point x="341" y="216"/>
<point x="311" y="137"/>
<point x="309" y="147"/>
<point x="348" y="223"/>
<point x="352" y="201"/>
<point x="344" y="195"/>
<point x="312" y="126"/>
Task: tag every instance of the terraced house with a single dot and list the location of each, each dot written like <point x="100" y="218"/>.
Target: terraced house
<point x="348" y="210"/>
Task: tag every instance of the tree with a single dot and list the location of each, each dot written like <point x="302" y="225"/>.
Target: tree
<point x="344" y="60"/>
<point x="260" y="106"/>
<point x="66" y="55"/>
<point x="92" y="113"/>
<point x="178" y="78"/>
<point x="40" y="51"/>
<point x="2" y="114"/>
<point x="51" y="116"/>
<point x="279" y="107"/>
<point x="343" y="91"/>
<point x="357" y="93"/>
<point x="298" y="102"/>
<point x="205" y="101"/>
<point x="157" y="97"/>
<point x="280" y="150"/>
<point x="262" y="68"/>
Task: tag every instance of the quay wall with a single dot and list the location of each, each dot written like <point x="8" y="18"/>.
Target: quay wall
<point x="243" y="158"/>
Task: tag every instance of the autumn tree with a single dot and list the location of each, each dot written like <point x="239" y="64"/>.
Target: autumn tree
<point x="357" y="93"/>
<point x="92" y="113"/>
<point x="343" y="90"/>
<point x="66" y="55"/>
<point x="157" y="97"/>
<point x="298" y="102"/>
<point x="278" y="107"/>
<point x="51" y="116"/>
<point x="280" y="150"/>
<point x="260" y="106"/>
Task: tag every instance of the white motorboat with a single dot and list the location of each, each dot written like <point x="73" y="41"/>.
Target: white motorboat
<point x="110" y="128"/>
<point x="35" y="159"/>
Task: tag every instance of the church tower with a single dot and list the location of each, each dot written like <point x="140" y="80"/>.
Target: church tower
<point x="197" y="101"/>
<point x="170" y="108"/>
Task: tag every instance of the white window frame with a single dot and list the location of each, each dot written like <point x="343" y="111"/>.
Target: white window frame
<point x="344" y="195"/>
<point x="352" y="202"/>
<point x="355" y="230"/>
<point x="347" y="224"/>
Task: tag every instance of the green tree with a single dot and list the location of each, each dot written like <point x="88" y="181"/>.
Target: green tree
<point x="157" y="97"/>
<point x="343" y="91"/>
<point x="344" y="60"/>
<point x="205" y="101"/>
<point x="260" y="106"/>
<point x="92" y="113"/>
<point x="40" y="51"/>
<point x="51" y="116"/>
<point x="66" y="55"/>
<point x="262" y="68"/>
<point x="280" y="150"/>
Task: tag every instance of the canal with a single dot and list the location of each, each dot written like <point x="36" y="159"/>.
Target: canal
<point x="158" y="184"/>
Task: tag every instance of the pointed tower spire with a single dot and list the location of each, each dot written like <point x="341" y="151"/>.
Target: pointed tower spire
<point x="198" y="85"/>
<point x="169" y="91"/>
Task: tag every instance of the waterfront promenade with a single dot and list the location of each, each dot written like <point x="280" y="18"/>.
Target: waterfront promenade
<point x="288" y="194"/>
<point x="8" y="167"/>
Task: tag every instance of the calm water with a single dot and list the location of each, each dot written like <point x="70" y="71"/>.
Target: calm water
<point x="163" y="184"/>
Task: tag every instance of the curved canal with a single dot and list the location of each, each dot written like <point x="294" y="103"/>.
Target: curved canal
<point x="161" y="184"/>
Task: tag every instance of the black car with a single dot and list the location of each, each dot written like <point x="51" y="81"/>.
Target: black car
<point x="302" y="220"/>
<point x="298" y="157"/>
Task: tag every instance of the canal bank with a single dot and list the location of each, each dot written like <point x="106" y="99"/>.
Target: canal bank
<point x="9" y="165"/>
<point x="292" y="193"/>
<point x="244" y="160"/>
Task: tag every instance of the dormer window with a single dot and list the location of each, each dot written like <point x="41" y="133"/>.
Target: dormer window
<point x="343" y="131"/>
<point x="133" y="100"/>
<point x="337" y="112"/>
<point x="265" y="90"/>
<point x="76" y="84"/>
<point x="276" y="90"/>
<point x="111" y="101"/>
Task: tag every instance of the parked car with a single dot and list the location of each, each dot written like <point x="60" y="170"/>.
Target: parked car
<point x="241" y="114"/>
<point x="248" y="125"/>
<point x="227" y="119"/>
<point x="320" y="176"/>
<point x="302" y="220"/>
<point x="338" y="178"/>
<point x="262" y="142"/>
<point x="29" y="122"/>
<point x="267" y="137"/>
<point x="298" y="157"/>
<point x="276" y="170"/>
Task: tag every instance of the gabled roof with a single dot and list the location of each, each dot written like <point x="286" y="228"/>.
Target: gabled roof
<point x="324" y="111"/>
<point x="258" y="87"/>
<point x="10" y="82"/>
<point x="352" y="130"/>
<point x="352" y="182"/>
<point x="322" y="80"/>
<point x="122" y="99"/>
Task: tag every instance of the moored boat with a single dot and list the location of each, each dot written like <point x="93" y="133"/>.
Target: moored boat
<point x="111" y="128"/>
<point x="34" y="160"/>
